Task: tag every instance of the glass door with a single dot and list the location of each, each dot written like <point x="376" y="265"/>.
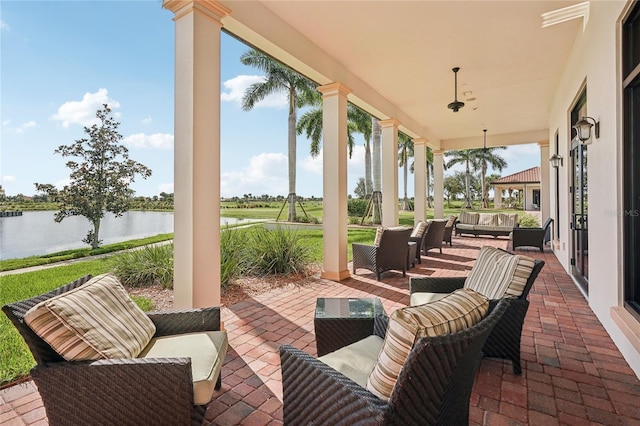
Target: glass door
<point x="579" y="219"/>
<point x="579" y="204"/>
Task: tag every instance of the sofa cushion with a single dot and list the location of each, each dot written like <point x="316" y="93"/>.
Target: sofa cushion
<point x="465" y="226"/>
<point x="94" y="321"/>
<point x="419" y="229"/>
<point x="420" y="298"/>
<point x="458" y="310"/>
<point x="206" y="350"/>
<point x="497" y="273"/>
<point x="356" y="361"/>
<point x="469" y="218"/>
<point x="488" y="219"/>
<point x="509" y="220"/>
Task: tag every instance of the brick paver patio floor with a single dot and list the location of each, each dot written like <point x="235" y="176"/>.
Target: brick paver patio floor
<point x="572" y="372"/>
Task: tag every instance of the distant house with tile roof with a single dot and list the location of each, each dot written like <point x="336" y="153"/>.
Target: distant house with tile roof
<point x="525" y="185"/>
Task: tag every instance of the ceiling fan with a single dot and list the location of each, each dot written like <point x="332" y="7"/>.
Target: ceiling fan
<point x="456" y="104"/>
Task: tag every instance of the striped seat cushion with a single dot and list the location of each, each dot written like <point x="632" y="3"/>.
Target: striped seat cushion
<point x="94" y="321"/>
<point x="457" y="311"/>
<point x="450" y="221"/>
<point x="497" y="274"/>
<point x="418" y="231"/>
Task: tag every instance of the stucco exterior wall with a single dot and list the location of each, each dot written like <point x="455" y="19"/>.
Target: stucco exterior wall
<point x="594" y="63"/>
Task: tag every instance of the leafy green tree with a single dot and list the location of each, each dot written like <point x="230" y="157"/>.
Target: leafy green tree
<point x="299" y="90"/>
<point x="101" y="172"/>
<point x="485" y="157"/>
<point x="453" y="187"/>
<point x="360" y="190"/>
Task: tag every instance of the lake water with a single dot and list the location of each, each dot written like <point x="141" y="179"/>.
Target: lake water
<point x="36" y="233"/>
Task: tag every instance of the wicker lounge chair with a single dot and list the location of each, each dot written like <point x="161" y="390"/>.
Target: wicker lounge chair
<point x="391" y="253"/>
<point x="448" y="229"/>
<point x="433" y="388"/>
<point x="504" y="341"/>
<point x="151" y="391"/>
<point x="532" y="237"/>
<point x="434" y="236"/>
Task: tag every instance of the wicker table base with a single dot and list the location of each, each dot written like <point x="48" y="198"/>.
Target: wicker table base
<point x="339" y="322"/>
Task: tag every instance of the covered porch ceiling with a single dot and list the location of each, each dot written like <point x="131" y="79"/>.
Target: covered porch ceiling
<point x="397" y="58"/>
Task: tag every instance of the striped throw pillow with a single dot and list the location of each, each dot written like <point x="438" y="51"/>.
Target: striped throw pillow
<point x="94" y="321"/>
<point x="455" y="312"/>
<point x="497" y="274"/>
<point x="379" y="232"/>
<point x="510" y="220"/>
<point x="418" y="231"/>
<point x="488" y="219"/>
<point x="469" y="218"/>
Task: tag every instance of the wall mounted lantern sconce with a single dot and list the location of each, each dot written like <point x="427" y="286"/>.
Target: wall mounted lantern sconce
<point x="556" y="161"/>
<point x="583" y="129"/>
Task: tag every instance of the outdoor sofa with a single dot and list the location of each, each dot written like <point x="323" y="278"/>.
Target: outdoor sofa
<point x="493" y="224"/>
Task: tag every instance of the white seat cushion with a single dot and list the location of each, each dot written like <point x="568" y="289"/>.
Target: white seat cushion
<point x="422" y="298"/>
<point x="206" y="350"/>
<point x="356" y="361"/>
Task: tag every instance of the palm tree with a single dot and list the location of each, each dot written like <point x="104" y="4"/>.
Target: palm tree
<point x="485" y="157"/>
<point x="466" y="157"/>
<point x="405" y="151"/>
<point x="300" y="91"/>
<point x="376" y="195"/>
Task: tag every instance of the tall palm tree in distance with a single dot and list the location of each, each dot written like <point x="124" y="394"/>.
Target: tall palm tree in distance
<point x="485" y="157"/>
<point x="405" y="152"/>
<point x="300" y="91"/>
<point x="466" y="157"/>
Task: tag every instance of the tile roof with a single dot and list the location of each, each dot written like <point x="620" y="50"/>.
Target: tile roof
<point x="531" y="175"/>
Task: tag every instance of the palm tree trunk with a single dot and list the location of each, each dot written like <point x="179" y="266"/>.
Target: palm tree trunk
<point x="485" y="201"/>
<point x="429" y="205"/>
<point x="467" y="193"/>
<point x="406" y="205"/>
<point x="292" y="157"/>
<point x="376" y="134"/>
<point x="367" y="168"/>
<point x="95" y="243"/>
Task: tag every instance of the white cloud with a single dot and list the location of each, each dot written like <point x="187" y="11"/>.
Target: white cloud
<point x="265" y="174"/>
<point x="154" y="141"/>
<point x="8" y="179"/>
<point x="62" y="183"/>
<point x="21" y="128"/>
<point x="235" y="88"/>
<point x="4" y="26"/>
<point x="84" y="112"/>
<point x="355" y="164"/>
<point x="166" y="187"/>
<point x="147" y="120"/>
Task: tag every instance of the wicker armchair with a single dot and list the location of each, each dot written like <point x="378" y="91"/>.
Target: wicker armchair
<point x="391" y="253"/>
<point x="135" y="391"/>
<point x="448" y="229"/>
<point x="504" y="341"/>
<point x="434" y="236"/>
<point x="532" y="237"/>
<point x="433" y="388"/>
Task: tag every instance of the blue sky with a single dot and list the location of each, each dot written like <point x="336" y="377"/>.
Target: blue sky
<point x="61" y="60"/>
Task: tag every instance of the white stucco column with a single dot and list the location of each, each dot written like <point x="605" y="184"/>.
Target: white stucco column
<point x="545" y="181"/>
<point x="389" y="171"/>
<point x="420" y="179"/>
<point x="438" y="184"/>
<point x="197" y="152"/>
<point x="334" y="181"/>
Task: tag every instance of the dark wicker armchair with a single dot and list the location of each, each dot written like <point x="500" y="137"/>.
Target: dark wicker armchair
<point x="420" y="242"/>
<point x="532" y="237"/>
<point x="504" y="341"/>
<point x="391" y="253"/>
<point x="134" y="391"/>
<point x="434" y="236"/>
<point x="448" y="229"/>
<point x="433" y="388"/>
